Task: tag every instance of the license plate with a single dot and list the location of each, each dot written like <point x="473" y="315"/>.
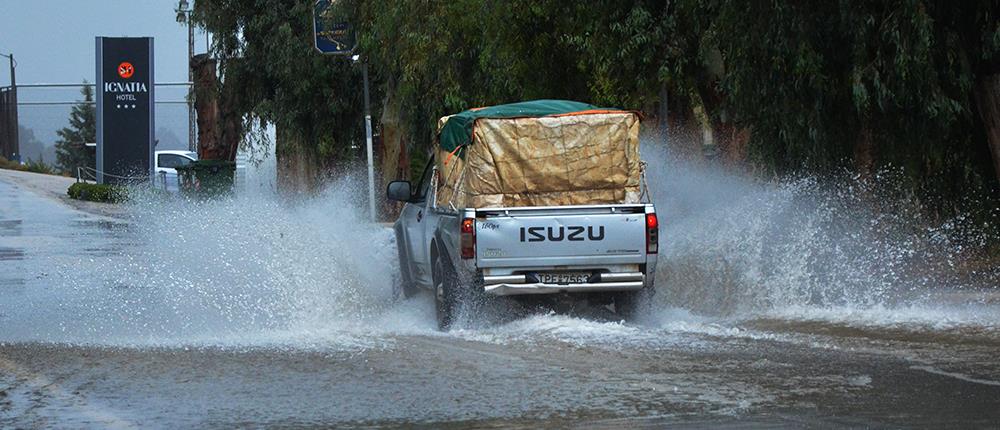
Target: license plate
<point x="564" y="278"/>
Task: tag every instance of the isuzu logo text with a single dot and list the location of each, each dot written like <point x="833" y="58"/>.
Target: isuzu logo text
<point x="558" y="234"/>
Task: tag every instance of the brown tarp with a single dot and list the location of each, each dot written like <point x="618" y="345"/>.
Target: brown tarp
<point x="574" y="159"/>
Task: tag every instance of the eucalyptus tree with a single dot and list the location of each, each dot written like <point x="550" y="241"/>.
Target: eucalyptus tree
<point x="823" y="84"/>
<point x="265" y="54"/>
<point x="816" y="85"/>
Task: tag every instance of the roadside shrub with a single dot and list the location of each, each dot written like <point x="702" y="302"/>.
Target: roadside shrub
<point x="39" y="167"/>
<point x="103" y="193"/>
<point x="31" y="166"/>
<point x="11" y="165"/>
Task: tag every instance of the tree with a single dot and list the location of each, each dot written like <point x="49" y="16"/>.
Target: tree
<point x="825" y="85"/>
<point x="31" y="147"/>
<point x="806" y="86"/>
<point x="71" y="149"/>
<point x="220" y="124"/>
<point x="265" y="54"/>
<point x="438" y="58"/>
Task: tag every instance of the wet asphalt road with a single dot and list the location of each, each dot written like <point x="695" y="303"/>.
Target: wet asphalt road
<point x="450" y="382"/>
<point x="393" y="370"/>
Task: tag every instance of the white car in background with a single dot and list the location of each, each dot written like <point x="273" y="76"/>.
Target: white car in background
<point x="166" y="161"/>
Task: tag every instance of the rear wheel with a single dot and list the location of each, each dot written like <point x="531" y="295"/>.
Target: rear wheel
<point x="445" y="297"/>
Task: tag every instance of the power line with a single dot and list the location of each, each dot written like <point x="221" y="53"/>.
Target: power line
<point x="168" y="102"/>
<point x="77" y="85"/>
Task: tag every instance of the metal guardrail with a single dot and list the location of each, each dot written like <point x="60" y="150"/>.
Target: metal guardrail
<point x="78" y="85"/>
<point x="83" y="175"/>
<point x="89" y="172"/>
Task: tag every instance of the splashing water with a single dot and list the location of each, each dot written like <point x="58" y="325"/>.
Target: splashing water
<point x="804" y="248"/>
<point x="260" y="270"/>
<point x="242" y="270"/>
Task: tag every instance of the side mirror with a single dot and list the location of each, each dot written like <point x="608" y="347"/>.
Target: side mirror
<point x="399" y="191"/>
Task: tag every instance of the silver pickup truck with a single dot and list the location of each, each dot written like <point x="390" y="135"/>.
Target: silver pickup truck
<point x="539" y="199"/>
<point x="608" y="251"/>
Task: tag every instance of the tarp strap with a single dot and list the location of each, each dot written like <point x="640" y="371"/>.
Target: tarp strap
<point x="452" y="154"/>
<point x="645" y="194"/>
<point x="588" y="112"/>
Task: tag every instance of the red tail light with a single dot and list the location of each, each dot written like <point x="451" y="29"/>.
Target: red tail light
<point x="468" y="238"/>
<point x="652" y="234"/>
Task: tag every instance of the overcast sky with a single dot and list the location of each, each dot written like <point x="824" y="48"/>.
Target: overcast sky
<point x="53" y="41"/>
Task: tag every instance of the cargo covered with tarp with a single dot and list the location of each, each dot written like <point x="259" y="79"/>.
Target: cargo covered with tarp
<point x="538" y="153"/>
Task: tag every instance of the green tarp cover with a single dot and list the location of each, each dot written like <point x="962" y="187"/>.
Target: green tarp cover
<point x="457" y="131"/>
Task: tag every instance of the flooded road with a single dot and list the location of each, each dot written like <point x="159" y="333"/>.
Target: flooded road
<point x="263" y="313"/>
<point x="434" y="380"/>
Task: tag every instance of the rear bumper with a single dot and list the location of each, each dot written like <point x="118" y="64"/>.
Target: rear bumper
<point x="509" y="285"/>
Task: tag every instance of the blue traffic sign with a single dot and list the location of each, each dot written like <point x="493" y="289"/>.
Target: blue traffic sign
<point x="332" y="37"/>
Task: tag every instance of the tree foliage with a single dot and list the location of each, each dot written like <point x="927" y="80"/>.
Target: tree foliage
<point x="71" y="149"/>
<point x="265" y="52"/>
<point x="819" y="81"/>
<point x="819" y="85"/>
<point x="32" y="148"/>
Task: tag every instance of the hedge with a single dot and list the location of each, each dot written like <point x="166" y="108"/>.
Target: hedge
<point x="97" y="192"/>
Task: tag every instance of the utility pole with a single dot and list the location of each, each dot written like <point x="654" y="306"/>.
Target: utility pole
<point x="368" y="140"/>
<point x="335" y="38"/>
<point x="13" y="113"/>
<point x="192" y="143"/>
<point x="184" y="16"/>
<point x="13" y="87"/>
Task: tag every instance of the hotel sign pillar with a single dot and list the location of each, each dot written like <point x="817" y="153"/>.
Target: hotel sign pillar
<point x="125" y="109"/>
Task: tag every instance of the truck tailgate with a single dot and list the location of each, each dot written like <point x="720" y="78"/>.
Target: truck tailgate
<point x="560" y="236"/>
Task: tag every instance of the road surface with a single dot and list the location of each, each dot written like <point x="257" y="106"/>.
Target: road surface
<point x="282" y="315"/>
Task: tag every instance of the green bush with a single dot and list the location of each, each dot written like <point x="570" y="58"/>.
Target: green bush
<point x="97" y="192"/>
